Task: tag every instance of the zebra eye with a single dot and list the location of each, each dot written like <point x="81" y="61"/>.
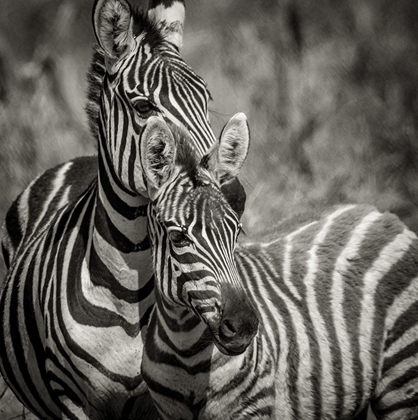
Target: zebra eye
<point x="179" y="238"/>
<point x="145" y="107"/>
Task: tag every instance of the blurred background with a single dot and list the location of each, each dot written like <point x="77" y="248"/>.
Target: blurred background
<point x="329" y="88"/>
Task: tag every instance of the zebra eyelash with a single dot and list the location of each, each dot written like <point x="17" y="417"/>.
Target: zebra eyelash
<point x="145" y="107"/>
<point x="178" y="236"/>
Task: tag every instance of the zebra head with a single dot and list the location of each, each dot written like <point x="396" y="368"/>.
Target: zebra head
<point x="142" y="75"/>
<point x="194" y="231"/>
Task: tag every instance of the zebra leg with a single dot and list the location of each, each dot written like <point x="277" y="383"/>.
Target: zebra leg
<point x="78" y="412"/>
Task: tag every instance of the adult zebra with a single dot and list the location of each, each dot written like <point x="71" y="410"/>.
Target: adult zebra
<point x="79" y="289"/>
<point x="337" y="299"/>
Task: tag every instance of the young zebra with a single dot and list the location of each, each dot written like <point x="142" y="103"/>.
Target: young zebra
<point x="336" y="296"/>
<point x="80" y="284"/>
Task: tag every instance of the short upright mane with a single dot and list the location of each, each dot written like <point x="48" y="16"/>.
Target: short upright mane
<point x="186" y="155"/>
<point x="97" y="70"/>
<point x="209" y="194"/>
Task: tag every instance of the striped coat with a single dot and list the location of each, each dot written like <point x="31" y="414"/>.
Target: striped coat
<point x="337" y="299"/>
<point x="336" y="295"/>
<point x="80" y="286"/>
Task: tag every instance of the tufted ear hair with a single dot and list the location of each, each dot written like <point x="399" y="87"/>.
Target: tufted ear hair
<point x="112" y="23"/>
<point x="168" y="16"/>
<point x="226" y="158"/>
<point x="158" y="153"/>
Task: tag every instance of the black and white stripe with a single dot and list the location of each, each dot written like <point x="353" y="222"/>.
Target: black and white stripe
<point x="80" y="285"/>
<point x="336" y="296"/>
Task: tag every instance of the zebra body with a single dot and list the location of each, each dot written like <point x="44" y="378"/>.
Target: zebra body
<point x="336" y="295"/>
<point x="33" y="210"/>
<point x="338" y="298"/>
<point x="80" y="285"/>
<point x="62" y="322"/>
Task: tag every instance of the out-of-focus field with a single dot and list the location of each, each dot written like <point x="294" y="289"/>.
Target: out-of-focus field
<point x="330" y="90"/>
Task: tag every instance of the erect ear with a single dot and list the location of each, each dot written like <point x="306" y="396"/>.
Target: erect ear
<point x="158" y="152"/>
<point x="112" y="23"/>
<point x="168" y="15"/>
<point x="226" y="158"/>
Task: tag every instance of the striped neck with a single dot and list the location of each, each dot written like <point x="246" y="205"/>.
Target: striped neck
<point x="121" y="216"/>
<point x="198" y="372"/>
<point x="183" y="330"/>
<point x="120" y="254"/>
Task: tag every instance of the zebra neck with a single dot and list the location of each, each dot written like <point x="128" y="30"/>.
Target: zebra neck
<point x="184" y="332"/>
<point x="120" y="252"/>
<point x="196" y="368"/>
<point x="180" y="329"/>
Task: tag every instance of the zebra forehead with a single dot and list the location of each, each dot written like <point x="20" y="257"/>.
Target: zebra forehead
<point x="196" y="192"/>
<point x="197" y="201"/>
<point x="213" y="207"/>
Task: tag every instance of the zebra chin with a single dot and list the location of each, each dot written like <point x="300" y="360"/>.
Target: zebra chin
<point x="232" y="349"/>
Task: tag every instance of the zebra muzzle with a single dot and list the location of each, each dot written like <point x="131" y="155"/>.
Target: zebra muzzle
<point x="237" y="325"/>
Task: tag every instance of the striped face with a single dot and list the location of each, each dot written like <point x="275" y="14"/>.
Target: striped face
<point x="156" y="80"/>
<point x="153" y="83"/>
<point x="145" y="76"/>
<point x="194" y="231"/>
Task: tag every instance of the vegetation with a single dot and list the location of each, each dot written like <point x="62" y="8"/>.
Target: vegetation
<point x="330" y="90"/>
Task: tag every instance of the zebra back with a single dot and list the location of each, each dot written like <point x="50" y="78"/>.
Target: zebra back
<point x="338" y="297"/>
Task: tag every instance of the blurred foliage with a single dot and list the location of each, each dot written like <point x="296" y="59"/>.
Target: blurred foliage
<point x="329" y="87"/>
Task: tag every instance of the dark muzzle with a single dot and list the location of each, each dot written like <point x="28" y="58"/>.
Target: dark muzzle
<point x="238" y="323"/>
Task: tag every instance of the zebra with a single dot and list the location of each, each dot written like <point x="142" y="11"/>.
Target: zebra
<point x="335" y="293"/>
<point x="80" y="286"/>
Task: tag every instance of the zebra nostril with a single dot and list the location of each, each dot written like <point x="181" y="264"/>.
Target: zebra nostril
<point x="228" y="329"/>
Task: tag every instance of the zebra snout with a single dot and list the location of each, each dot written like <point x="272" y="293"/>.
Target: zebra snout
<point x="237" y="327"/>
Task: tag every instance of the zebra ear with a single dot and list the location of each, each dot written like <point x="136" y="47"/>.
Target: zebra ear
<point x="226" y="158"/>
<point x="168" y="16"/>
<point x="158" y="152"/>
<point x="112" y="23"/>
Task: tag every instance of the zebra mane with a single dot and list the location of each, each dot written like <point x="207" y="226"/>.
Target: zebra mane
<point x="206" y="189"/>
<point x="95" y="78"/>
<point x="97" y="70"/>
<point x="186" y="155"/>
